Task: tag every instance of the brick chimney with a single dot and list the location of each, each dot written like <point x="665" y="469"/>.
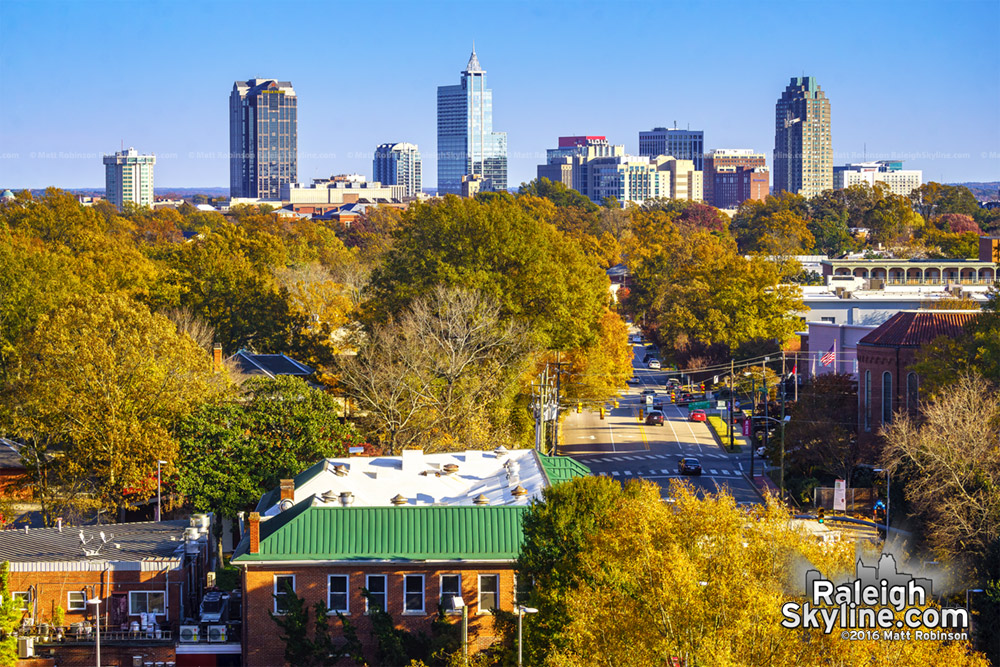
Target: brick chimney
<point x="254" y="527"/>
<point x="288" y="490"/>
<point x="217" y="357"/>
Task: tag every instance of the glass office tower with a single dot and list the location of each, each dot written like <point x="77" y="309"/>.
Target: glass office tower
<point x="263" y="138"/>
<point x="803" y="152"/>
<point x="467" y="144"/>
<point x="398" y="164"/>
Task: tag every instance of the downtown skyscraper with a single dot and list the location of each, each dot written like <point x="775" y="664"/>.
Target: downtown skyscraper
<point x="128" y="177"/>
<point x="803" y="151"/>
<point x="263" y="138"/>
<point x="467" y="144"/>
<point x="398" y="164"/>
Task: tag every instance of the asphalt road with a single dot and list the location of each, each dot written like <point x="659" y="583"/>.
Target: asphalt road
<point x="622" y="446"/>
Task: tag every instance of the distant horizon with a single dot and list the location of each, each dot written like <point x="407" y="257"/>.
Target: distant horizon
<point x="57" y="124"/>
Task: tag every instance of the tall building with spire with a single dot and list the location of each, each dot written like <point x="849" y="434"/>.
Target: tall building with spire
<point x="803" y="152"/>
<point x="263" y="138"/>
<point x="467" y="144"/>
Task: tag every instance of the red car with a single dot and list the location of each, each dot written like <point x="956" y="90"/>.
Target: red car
<point x="697" y="416"/>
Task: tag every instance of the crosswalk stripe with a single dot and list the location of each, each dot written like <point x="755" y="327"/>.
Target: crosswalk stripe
<point x="713" y="472"/>
<point x="627" y="472"/>
<point x="615" y="473"/>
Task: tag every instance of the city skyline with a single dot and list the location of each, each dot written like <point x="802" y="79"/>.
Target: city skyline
<point x="923" y="100"/>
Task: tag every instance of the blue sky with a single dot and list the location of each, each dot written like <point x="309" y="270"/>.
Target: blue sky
<point x="911" y="79"/>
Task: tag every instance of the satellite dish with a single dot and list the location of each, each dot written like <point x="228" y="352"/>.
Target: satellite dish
<point x="103" y="539"/>
<point x="83" y="540"/>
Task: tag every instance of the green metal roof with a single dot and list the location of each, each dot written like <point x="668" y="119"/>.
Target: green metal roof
<point x="559" y="469"/>
<point x="454" y="532"/>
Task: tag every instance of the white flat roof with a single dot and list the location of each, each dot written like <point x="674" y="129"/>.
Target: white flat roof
<point x="422" y="480"/>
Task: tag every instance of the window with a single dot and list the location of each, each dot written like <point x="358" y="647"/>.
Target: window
<point x="375" y="583"/>
<point x="283" y="584"/>
<point x="868" y="400"/>
<point x="912" y="392"/>
<point x="451" y="586"/>
<point x="22" y="599"/>
<point x="337" y="598"/>
<point x="413" y="594"/>
<point x="886" y="397"/>
<point x="145" y="602"/>
<point x="489" y="593"/>
<point x="76" y="601"/>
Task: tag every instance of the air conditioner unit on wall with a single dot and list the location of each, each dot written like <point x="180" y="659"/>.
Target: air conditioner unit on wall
<point x="26" y="647"/>
<point x="188" y="634"/>
<point x="216" y="633"/>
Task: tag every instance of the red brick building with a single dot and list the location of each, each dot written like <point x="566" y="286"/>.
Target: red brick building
<point x="148" y="576"/>
<point x="337" y="528"/>
<point x="886" y="382"/>
<point x="733" y="176"/>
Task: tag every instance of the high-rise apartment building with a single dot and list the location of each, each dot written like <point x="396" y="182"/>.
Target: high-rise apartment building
<point x="398" y="164"/>
<point x="263" y="138"/>
<point x="888" y="172"/>
<point x="734" y="175"/>
<point x="128" y="177"/>
<point x="803" y="152"/>
<point x="681" y="144"/>
<point x="467" y="144"/>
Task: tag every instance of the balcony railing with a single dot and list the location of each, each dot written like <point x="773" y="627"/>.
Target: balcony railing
<point x="110" y="637"/>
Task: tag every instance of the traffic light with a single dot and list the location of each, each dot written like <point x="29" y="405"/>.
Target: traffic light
<point x="673" y="397"/>
<point x="579" y="407"/>
<point x="821" y="514"/>
<point x="616" y="402"/>
<point x="701" y="387"/>
<point x="602" y="412"/>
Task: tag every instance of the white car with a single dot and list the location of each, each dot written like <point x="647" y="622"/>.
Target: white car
<point x="654" y="363"/>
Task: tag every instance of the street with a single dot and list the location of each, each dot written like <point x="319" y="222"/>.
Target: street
<point x="622" y="446"/>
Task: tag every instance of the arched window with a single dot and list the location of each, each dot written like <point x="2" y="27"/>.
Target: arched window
<point x="886" y="397"/>
<point x="868" y="400"/>
<point x="912" y="392"/>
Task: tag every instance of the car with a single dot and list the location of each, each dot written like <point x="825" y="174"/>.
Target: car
<point x="697" y="416"/>
<point x="657" y="405"/>
<point x="648" y="392"/>
<point x="760" y="452"/>
<point x="654" y="363"/>
<point x="654" y="418"/>
<point x="637" y="339"/>
<point x="633" y="380"/>
<point x="673" y="383"/>
<point x="688" y="466"/>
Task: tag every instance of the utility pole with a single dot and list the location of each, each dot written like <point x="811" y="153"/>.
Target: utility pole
<point x="795" y="373"/>
<point x="782" y="426"/>
<point x="732" y="403"/>
<point x="753" y="411"/>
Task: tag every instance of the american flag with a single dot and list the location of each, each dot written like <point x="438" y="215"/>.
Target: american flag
<point x="830" y="356"/>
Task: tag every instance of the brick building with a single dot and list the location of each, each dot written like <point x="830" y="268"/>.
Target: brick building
<point x="148" y="576"/>
<point x="886" y="382"/>
<point x="453" y="528"/>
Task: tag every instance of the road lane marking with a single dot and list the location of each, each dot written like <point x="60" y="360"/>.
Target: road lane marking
<point x="615" y="473"/>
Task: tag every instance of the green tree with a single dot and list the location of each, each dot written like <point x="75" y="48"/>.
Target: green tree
<point x="102" y="381"/>
<point x="10" y="619"/>
<point x="232" y="451"/>
<point x="499" y="249"/>
<point x="558" y="193"/>
<point x="891" y="217"/>
<point x="933" y="199"/>
<point x="321" y="649"/>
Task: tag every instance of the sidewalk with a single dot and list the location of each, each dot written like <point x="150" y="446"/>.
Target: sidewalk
<point x="763" y="484"/>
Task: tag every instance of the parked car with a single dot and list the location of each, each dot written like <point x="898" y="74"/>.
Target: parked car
<point x="654" y="418"/>
<point x="654" y="363"/>
<point x="698" y="416"/>
<point x="688" y="466"/>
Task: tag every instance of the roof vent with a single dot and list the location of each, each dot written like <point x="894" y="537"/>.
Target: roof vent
<point x="398" y="499"/>
<point x="347" y="498"/>
<point x="450" y="468"/>
<point x="481" y="499"/>
<point x="500" y="451"/>
<point x="519" y="491"/>
<point x="283" y="505"/>
<point x="329" y="496"/>
<point x="340" y="470"/>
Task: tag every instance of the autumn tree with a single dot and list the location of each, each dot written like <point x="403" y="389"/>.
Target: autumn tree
<point x="443" y="375"/>
<point x="622" y="578"/>
<point x="498" y="248"/>
<point x="822" y="432"/>
<point x="99" y="384"/>
<point x="558" y="193"/>
<point x="952" y="471"/>
<point x="601" y="370"/>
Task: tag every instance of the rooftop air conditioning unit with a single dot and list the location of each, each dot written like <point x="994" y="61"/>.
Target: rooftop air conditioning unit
<point x="25" y="647"/>
<point x="216" y="633"/>
<point x="188" y="634"/>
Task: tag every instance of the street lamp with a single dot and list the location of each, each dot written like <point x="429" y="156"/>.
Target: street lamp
<point x="97" y="613"/>
<point x="521" y="611"/>
<point x="159" y="499"/>
<point x="458" y="603"/>
<point x="888" y="481"/>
